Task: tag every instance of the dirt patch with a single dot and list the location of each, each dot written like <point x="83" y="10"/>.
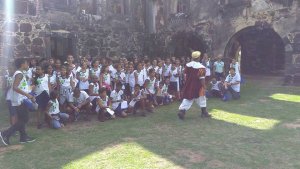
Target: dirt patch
<point x="194" y="157"/>
<point x="4" y="150"/>
<point x="215" y="164"/>
<point x="294" y="125"/>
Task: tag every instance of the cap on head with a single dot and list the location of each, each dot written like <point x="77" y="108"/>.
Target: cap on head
<point x="196" y="54"/>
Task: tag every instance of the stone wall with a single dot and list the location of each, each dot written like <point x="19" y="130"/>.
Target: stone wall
<point x="156" y="28"/>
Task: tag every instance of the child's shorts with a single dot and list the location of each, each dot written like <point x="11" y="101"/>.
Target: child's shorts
<point x="12" y="109"/>
<point x="42" y="100"/>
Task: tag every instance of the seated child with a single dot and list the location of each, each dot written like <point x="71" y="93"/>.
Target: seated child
<point x="80" y="103"/>
<point x="150" y="87"/>
<point x="232" y="86"/>
<point x="57" y="119"/>
<point x="104" y="106"/>
<point x="118" y="104"/>
<point x="94" y="91"/>
<point x="163" y="97"/>
<point x="137" y="100"/>
<point x="216" y="89"/>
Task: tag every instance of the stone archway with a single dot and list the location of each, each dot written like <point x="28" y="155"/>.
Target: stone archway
<point x="260" y="50"/>
<point x="183" y="43"/>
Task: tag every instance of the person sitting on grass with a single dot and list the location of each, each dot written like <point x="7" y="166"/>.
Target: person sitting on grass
<point x="217" y="89"/>
<point x="56" y="118"/>
<point x="137" y="101"/>
<point x="232" y="86"/>
<point x="80" y="104"/>
<point x="94" y="91"/>
<point x="119" y="105"/>
<point x="163" y="97"/>
<point x="104" y="106"/>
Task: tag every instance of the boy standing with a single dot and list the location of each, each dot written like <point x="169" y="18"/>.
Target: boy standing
<point x="20" y="91"/>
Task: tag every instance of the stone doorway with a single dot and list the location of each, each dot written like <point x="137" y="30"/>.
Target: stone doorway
<point x="62" y="44"/>
<point x="259" y="51"/>
<point x="183" y="43"/>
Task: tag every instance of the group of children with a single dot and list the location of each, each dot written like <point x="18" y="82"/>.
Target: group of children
<point x="71" y="91"/>
<point x="96" y="86"/>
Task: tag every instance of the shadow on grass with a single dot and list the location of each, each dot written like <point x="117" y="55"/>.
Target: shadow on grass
<point x="162" y="141"/>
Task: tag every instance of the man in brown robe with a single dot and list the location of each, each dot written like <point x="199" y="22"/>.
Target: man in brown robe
<point x="194" y="88"/>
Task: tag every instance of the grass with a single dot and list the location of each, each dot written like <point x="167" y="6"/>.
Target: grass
<point x="253" y="132"/>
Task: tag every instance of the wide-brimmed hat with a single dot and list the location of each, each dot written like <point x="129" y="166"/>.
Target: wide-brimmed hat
<point x="196" y="54"/>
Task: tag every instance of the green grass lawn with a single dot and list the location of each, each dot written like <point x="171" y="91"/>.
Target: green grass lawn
<point x="262" y="130"/>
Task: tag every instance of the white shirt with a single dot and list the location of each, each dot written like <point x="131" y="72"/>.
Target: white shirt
<point x="54" y="109"/>
<point x="116" y="96"/>
<point x="151" y="86"/>
<point x="96" y="88"/>
<point x="52" y="79"/>
<point x="141" y="77"/>
<point x="167" y="69"/>
<point x="219" y="66"/>
<point x="131" y="79"/>
<point x="95" y="72"/>
<point x="84" y="75"/>
<point x="174" y="73"/>
<point x="42" y="85"/>
<point x="236" y="66"/>
<point x="83" y="96"/>
<point x="16" y="98"/>
<point x="215" y="86"/>
<point x="233" y="79"/>
<point x="103" y="102"/>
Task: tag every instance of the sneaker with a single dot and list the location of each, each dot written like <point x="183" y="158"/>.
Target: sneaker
<point x="4" y="139"/>
<point x="27" y="140"/>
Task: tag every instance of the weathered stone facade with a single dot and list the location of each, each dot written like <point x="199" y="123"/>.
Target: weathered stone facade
<point x="152" y="27"/>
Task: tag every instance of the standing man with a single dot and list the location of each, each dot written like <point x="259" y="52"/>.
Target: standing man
<point x="219" y="68"/>
<point x="19" y="93"/>
<point x="194" y="88"/>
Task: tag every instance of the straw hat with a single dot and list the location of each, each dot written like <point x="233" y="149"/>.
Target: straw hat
<point x="196" y="54"/>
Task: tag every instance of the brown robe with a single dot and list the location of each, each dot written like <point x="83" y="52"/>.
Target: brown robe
<point x="193" y="88"/>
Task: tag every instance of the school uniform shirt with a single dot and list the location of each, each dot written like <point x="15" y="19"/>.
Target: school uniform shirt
<point x="54" y="109"/>
<point x="173" y="77"/>
<point x="96" y="88"/>
<point x="83" y="96"/>
<point x="85" y="75"/>
<point x="95" y="72"/>
<point x="107" y="79"/>
<point x="167" y="69"/>
<point x="219" y="66"/>
<point x="16" y="98"/>
<point x="151" y="86"/>
<point x="42" y="84"/>
<point x="208" y="72"/>
<point x="141" y="77"/>
<point x="116" y="96"/>
<point x="131" y="80"/>
<point x="112" y="70"/>
<point x="215" y="86"/>
<point x="65" y="86"/>
<point x="145" y="72"/>
<point x="104" y="102"/>
<point x="233" y="79"/>
<point x="120" y="76"/>
<point x="52" y="79"/>
<point x="236" y="66"/>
